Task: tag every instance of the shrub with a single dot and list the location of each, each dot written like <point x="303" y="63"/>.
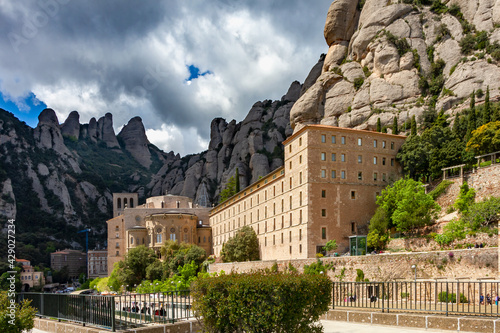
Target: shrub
<point x="23" y="319"/>
<point x="358" y="82"/>
<point x="451" y="297"/>
<point x="256" y="302"/>
<point x="440" y="189"/>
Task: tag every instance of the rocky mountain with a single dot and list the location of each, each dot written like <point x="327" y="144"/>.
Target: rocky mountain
<point x="390" y="58"/>
<point x="386" y="59"/>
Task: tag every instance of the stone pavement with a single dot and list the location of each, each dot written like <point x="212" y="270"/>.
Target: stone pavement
<point x="331" y="326"/>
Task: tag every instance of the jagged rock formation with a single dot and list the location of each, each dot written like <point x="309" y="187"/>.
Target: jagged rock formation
<point x="71" y="126"/>
<point x="136" y="142"/>
<point x="379" y="58"/>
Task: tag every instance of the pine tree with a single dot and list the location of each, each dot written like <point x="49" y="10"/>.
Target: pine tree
<point x="456" y="126"/>
<point x="487" y="107"/>
<point x="472" y="117"/>
<point x="379" y="125"/>
<point x="395" y="129"/>
<point x="413" y="126"/>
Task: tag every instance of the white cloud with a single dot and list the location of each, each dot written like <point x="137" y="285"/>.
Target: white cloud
<point x="171" y="138"/>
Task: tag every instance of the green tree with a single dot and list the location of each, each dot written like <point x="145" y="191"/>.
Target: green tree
<point x="487" y="107"/>
<point x="176" y="254"/>
<point x="408" y="206"/>
<point x="378" y="234"/>
<point x="482" y="214"/>
<point x="465" y="198"/>
<point x="379" y="125"/>
<point x="485" y="139"/>
<point x="132" y="270"/>
<point x="244" y="246"/>
<point x="395" y="129"/>
<point x="20" y="320"/>
<point x="472" y="122"/>
<point x="331" y="245"/>
<point x="229" y="190"/>
<point x="413" y="156"/>
<point x="413" y="126"/>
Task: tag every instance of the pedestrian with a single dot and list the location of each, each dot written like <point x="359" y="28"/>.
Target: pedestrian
<point x="481" y="299"/>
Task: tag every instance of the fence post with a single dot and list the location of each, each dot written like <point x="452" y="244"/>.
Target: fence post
<point x="41" y="304"/>
<point x="333" y="295"/>
<point x="447" y="299"/>
<point x="113" y="325"/>
<point x="383" y="296"/>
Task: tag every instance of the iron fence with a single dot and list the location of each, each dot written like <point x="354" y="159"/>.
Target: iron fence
<point x="113" y="312"/>
<point x="456" y="297"/>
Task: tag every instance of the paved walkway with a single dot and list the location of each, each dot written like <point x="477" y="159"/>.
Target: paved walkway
<point x="331" y="326"/>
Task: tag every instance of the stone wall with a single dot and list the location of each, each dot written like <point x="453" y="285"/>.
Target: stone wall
<point x="471" y="263"/>
<point x="53" y="326"/>
<point x="486" y="182"/>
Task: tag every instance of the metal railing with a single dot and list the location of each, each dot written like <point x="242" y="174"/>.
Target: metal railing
<point x="92" y="310"/>
<point x="471" y="297"/>
<point x="113" y="312"/>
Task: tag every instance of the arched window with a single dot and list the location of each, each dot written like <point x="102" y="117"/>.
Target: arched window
<point x="131" y="240"/>
<point x="125" y="203"/>
<point x="119" y="203"/>
<point x="131" y="202"/>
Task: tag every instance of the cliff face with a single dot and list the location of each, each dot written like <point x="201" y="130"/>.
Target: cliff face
<point x="392" y="58"/>
<point x="385" y="59"/>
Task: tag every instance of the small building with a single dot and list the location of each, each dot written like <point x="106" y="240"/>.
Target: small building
<point x="29" y="277"/>
<point x="98" y="264"/>
<point x="73" y="259"/>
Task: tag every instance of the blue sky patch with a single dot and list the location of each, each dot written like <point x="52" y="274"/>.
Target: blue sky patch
<point x="194" y="72"/>
<point x="26" y="109"/>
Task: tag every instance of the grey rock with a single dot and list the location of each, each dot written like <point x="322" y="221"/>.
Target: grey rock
<point x="71" y="126"/>
<point x="341" y="21"/>
<point x="136" y="142"/>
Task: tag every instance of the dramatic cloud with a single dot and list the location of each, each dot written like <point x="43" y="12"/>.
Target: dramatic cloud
<point x="177" y="64"/>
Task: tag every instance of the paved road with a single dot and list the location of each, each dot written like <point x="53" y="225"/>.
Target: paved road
<point x="331" y="326"/>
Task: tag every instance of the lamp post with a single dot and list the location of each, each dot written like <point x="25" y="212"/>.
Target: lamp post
<point x="414" y="267"/>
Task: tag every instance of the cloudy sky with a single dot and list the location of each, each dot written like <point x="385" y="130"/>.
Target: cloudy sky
<point x="177" y="64"/>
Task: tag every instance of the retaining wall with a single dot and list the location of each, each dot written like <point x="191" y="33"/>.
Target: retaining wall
<point x="472" y="263"/>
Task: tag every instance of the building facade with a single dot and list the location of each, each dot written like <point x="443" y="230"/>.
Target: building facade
<point x="326" y="190"/>
<point x="29" y="277"/>
<point x="73" y="259"/>
<point x="97" y="264"/>
<point x="161" y="218"/>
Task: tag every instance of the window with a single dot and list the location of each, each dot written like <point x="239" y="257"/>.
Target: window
<point x="374" y="160"/>
<point x="323" y="212"/>
<point x="323" y="156"/>
<point x="290" y="164"/>
<point x="131" y="240"/>
<point x="300" y="177"/>
<point x="383" y="144"/>
<point x="281" y="238"/>
<point x="265" y="241"/>
<point x="353" y="227"/>
<point x="300" y="159"/>
<point x="375" y="176"/>
<point x="342" y="140"/>
<point x="290" y="236"/>
<point x="334" y="157"/>
<point x="342" y="174"/>
<point x="300" y="248"/>
<point x="383" y="160"/>
<point x="291" y="219"/>
<point x="360" y="175"/>
<point x="274" y="239"/>
<point x="300" y="199"/>
<point x="360" y="159"/>
<point x="383" y="177"/>
<point x="323" y="173"/>
<point x="392" y="145"/>
<point x="290" y="148"/>
<point x="323" y="233"/>
<point x="392" y="162"/>
<point x="359" y="142"/>
<point x="290" y="202"/>
<point x="290" y="249"/>
<point x="334" y="139"/>
<point x="342" y="157"/>
<point x="374" y="143"/>
<point x="300" y="234"/>
<point x="117" y="246"/>
<point x="172" y="237"/>
<point x="323" y="138"/>
<point x="323" y="193"/>
<point x="353" y="195"/>
<point x="117" y="235"/>
<point x="159" y="238"/>
<point x="300" y="141"/>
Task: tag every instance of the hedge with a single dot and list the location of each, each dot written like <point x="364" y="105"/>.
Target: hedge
<point x="259" y="302"/>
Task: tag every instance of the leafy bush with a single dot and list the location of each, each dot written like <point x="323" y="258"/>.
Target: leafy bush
<point x="481" y="214"/>
<point x="358" y="82"/>
<point x="317" y="268"/>
<point x="451" y="297"/>
<point x="465" y="198"/>
<point x="23" y="317"/>
<point x="244" y="246"/>
<point x="456" y="229"/>
<point x="256" y="302"/>
<point x="440" y="189"/>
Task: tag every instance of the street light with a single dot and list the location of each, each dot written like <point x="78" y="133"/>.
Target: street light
<point x="414" y="267"/>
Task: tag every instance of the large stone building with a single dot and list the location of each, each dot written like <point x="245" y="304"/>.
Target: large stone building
<point x="161" y="218"/>
<point x="326" y="190"/>
<point x="75" y="260"/>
